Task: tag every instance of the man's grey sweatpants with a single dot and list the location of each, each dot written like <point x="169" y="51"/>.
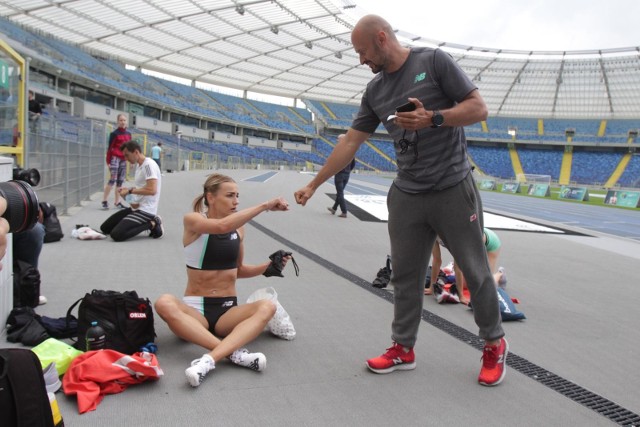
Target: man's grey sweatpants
<point x="454" y="214"/>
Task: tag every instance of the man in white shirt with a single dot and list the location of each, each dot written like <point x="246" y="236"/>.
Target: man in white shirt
<point x="143" y="198"/>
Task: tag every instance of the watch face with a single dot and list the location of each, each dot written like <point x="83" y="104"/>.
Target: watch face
<point x="437" y="119"/>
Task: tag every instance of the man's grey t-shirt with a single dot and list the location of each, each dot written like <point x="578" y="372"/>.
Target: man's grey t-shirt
<point x="433" y="77"/>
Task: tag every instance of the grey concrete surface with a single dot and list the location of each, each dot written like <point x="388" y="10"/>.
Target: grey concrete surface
<point x="580" y="298"/>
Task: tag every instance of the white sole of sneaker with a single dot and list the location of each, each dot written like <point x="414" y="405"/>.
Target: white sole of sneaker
<point x="400" y="367"/>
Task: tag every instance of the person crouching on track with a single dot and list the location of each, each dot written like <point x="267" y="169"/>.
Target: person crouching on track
<point x="142" y="215"/>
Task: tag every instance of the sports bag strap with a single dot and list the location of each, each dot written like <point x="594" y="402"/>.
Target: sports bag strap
<point x="68" y="317"/>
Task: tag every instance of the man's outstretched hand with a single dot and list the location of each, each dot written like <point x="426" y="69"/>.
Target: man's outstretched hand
<point x="303" y="195"/>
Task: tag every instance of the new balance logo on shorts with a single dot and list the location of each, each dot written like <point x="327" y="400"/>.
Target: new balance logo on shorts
<point x="227" y="304"/>
<point x="234" y="236"/>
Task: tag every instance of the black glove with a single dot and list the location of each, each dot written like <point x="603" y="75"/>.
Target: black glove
<point x="277" y="264"/>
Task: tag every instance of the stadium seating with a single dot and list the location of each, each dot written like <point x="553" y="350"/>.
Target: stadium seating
<point x="493" y="161"/>
<point x="593" y="167"/>
<point x="588" y="167"/>
<point x="631" y="176"/>
<point x="541" y="162"/>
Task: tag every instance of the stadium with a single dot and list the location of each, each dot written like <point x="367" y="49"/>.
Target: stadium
<point x="201" y="77"/>
<point x="568" y="116"/>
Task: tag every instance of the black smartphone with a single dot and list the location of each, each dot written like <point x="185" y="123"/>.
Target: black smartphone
<point x="409" y="106"/>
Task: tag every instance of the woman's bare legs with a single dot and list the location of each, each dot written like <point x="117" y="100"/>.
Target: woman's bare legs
<point x="184" y="321"/>
<point x="461" y="284"/>
<point x="239" y="326"/>
<point x="436" y="263"/>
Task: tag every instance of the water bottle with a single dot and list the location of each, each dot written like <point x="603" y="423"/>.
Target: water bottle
<point x="95" y="338"/>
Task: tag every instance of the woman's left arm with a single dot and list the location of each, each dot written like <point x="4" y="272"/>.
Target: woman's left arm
<point x="247" y="270"/>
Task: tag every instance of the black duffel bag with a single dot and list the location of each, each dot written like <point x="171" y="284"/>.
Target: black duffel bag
<point x="126" y="318"/>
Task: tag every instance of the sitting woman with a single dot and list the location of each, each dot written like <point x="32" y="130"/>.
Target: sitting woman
<point x="492" y="244"/>
<point x="209" y="314"/>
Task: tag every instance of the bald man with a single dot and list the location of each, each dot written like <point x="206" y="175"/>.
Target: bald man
<point x="434" y="192"/>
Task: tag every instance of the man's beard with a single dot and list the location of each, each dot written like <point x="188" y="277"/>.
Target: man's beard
<point x="375" y="68"/>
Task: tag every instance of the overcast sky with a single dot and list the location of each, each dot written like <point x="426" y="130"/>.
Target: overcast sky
<point x="516" y="24"/>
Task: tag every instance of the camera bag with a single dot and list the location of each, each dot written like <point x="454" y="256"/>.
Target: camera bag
<point x="126" y="318"/>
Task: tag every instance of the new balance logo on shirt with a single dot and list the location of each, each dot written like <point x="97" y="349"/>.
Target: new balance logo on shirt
<point x="234" y="236"/>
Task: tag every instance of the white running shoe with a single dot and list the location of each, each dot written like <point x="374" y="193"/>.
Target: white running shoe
<point x="253" y="361"/>
<point x="199" y="369"/>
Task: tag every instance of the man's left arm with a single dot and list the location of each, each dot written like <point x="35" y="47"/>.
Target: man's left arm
<point x="150" y="189"/>
<point x="470" y="110"/>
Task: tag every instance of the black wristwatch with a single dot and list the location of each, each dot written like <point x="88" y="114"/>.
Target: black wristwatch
<point x="131" y="191"/>
<point x="437" y="119"/>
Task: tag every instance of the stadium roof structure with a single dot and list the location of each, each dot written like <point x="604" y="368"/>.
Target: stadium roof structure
<point x="302" y="49"/>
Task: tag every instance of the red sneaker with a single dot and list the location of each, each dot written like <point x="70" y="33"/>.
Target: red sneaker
<point x="493" y="368"/>
<point x="394" y="358"/>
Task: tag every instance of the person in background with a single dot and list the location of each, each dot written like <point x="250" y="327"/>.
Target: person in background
<point x="35" y="112"/>
<point x="341" y="179"/>
<point x="492" y="244"/>
<point x="209" y="314"/>
<point x="142" y="215"/>
<point x="434" y="192"/>
<point x="156" y="153"/>
<point x="116" y="162"/>
<point x="27" y="246"/>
